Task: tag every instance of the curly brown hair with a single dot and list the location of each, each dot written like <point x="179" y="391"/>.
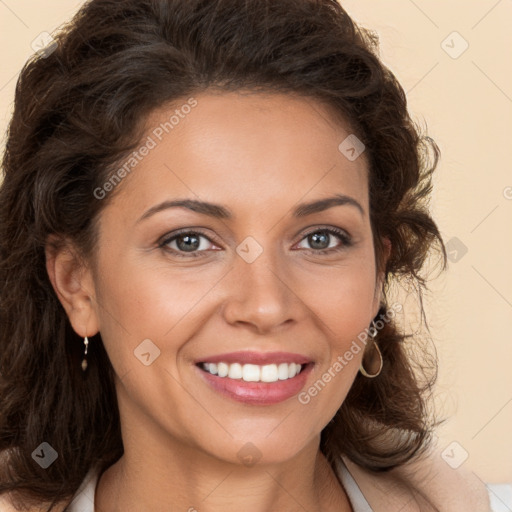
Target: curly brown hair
<point x="79" y="110"/>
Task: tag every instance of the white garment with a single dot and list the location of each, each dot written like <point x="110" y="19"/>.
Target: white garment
<point x="83" y="501"/>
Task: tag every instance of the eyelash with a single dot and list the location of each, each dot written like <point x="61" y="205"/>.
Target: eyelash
<point x="342" y="235"/>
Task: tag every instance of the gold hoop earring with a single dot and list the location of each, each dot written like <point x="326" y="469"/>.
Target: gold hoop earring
<point x="84" y="362"/>
<point x="361" y="367"/>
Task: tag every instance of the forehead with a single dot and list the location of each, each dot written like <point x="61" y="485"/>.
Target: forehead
<point x="244" y="149"/>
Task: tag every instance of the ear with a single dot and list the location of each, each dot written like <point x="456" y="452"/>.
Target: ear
<point x="380" y="276"/>
<point x="73" y="284"/>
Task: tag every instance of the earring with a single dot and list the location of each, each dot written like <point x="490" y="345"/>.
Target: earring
<point x="361" y="368"/>
<point x="84" y="362"/>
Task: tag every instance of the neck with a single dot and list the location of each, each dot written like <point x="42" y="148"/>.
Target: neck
<point x="186" y="480"/>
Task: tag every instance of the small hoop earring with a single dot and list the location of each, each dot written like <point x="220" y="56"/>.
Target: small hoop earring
<point x="361" y="367"/>
<point x="84" y="362"/>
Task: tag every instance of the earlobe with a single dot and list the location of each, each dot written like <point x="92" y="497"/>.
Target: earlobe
<point x="73" y="285"/>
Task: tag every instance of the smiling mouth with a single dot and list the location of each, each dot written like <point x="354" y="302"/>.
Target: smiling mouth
<point x="252" y="372"/>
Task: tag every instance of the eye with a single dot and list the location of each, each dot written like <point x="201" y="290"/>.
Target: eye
<point x="186" y="243"/>
<point x="320" y="239"/>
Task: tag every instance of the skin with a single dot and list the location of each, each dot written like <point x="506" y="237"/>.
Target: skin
<point x="258" y="155"/>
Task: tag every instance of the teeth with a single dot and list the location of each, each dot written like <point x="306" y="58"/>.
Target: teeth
<point x="254" y="372"/>
<point x="251" y="373"/>
<point x="235" y="371"/>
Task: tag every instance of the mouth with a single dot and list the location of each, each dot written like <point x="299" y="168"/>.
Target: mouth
<point x="266" y="383"/>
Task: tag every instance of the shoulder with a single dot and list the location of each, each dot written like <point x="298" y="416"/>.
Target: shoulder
<point x="427" y="484"/>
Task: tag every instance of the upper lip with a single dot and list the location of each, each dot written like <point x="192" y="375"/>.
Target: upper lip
<point x="259" y="358"/>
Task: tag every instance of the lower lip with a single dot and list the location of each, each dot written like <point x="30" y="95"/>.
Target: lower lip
<point x="257" y="393"/>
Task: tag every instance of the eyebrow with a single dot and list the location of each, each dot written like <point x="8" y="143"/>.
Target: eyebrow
<point x="221" y="212"/>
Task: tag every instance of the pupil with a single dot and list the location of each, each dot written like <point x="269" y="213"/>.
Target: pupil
<point x="322" y="239"/>
<point x="189" y="242"/>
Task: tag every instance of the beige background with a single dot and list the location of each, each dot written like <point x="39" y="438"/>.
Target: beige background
<point x="466" y="103"/>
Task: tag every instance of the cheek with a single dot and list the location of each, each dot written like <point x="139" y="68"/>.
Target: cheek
<point x="342" y="302"/>
<point x="137" y="301"/>
<point x="342" y="297"/>
<point x="348" y="311"/>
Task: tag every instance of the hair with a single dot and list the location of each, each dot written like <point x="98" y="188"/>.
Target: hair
<point x="80" y="110"/>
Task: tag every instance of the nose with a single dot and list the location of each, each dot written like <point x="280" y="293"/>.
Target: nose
<point x="260" y="295"/>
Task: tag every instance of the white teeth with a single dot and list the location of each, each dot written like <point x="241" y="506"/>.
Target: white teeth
<point x="235" y="371"/>
<point x="251" y="373"/>
<point x="269" y="373"/>
<point x="254" y="372"/>
<point x="222" y="369"/>
<point x="283" y="371"/>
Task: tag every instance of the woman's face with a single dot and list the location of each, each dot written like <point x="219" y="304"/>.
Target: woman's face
<point x="249" y="267"/>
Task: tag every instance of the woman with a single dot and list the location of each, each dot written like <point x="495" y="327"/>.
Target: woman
<point x="204" y="207"/>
